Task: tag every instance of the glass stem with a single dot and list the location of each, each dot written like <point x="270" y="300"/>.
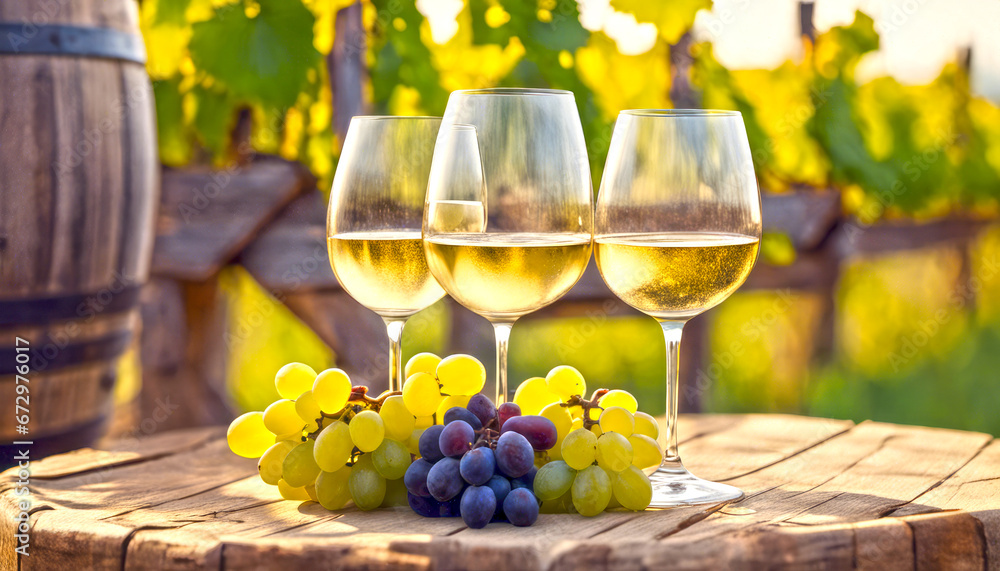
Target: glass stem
<point x="394" y="328"/>
<point x="502" y="332"/>
<point x="672" y="335"/>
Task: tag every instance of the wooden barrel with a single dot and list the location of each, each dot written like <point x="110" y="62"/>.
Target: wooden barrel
<point x="78" y="192"/>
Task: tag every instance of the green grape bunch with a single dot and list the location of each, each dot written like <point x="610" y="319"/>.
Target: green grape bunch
<point x="605" y="448"/>
<point x="326" y="440"/>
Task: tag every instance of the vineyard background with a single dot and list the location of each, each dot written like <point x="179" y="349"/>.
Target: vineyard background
<point x="907" y="329"/>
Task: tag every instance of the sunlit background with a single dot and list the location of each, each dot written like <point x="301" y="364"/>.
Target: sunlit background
<point x="886" y="306"/>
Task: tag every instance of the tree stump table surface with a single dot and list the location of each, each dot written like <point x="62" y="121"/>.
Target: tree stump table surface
<point x="819" y="494"/>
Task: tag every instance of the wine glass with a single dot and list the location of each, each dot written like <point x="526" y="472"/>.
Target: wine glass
<point x="678" y="228"/>
<point x="374" y="222"/>
<point x="537" y="199"/>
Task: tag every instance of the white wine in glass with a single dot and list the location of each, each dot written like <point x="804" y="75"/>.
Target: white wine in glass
<point x="375" y="219"/>
<point x="677" y="232"/>
<point x="385" y="271"/>
<point x="675" y="275"/>
<point x="519" y="157"/>
<point x="504" y="276"/>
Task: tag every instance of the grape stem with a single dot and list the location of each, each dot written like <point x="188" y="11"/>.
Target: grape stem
<point x="587" y="405"/>
<point x="359" y="396"/>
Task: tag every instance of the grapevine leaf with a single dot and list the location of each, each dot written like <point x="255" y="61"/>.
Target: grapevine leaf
<point x="172" y="141"/>
<point x="483" y="33"/>
<point x="214" y="117"/>
<point x="407" y="61"/>
<point x="263" y="58"/>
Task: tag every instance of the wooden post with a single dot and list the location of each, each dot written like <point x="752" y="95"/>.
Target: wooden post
<point x="347" y="69"/>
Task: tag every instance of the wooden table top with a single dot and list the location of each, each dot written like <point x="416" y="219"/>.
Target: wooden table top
<point x="820" y="494"/>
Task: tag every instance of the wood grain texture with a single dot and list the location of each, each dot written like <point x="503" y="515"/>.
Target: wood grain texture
<point x="208" y="216"/>
<point x="821" y="494"/>
<point x="78" y="191"/>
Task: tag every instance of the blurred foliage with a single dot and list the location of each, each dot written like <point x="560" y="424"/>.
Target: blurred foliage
<point x="895" y="150"/>
<point x="610" y="352"/>
<point x="892" y="150"/>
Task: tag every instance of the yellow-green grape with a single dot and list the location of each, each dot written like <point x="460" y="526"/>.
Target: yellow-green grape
<point x="295" y="437"/>
<point x="270" y="464"/>
<point x="331" y="390"/>
<point x="577" y="424"/>
<point x="413" y="441"/>
<point x="613" y="503"/>
<point x="333" y="446"/>
<point x="632" y="489"/>
<point x="555" y="453"/>
<point x="248" y="437"/>
<point x="533" y="395"/>
<point x="591" y="491"/>
<point x="461" y="375"/>
<point x="579" y="449"/>
<point x="596" y="429"/>
<point x="421" y="394"/>
<point x="617" y="419"/>
<point x="280" y="417"/>
<point x="299" y="467"/>
<point x="566" y="381"/>
<point x="561" y="505"/>
<point x="311" y="491"/>
<point x="332" y="491"/>
<point x="367" y="430"/>
<point x="645" y="424"/>
<point x="614" y="452"/>
<point x="308" y="410"/>
<point x="395" y="494"/>
<point x="620" y="398"/>
<point x="397" y="419"/>
<point x="448" y="402"/>
<point x="366" y="484"/>
<point x="391" y="459"/>
<point x="423" y="422"/>
<point x="560" y="417"/>
<point x="296" y="494"/>
<point x="294" y="379"/>
<point x="553" y="480"/>
<point x="646" y="452"/>
<point x="421" y="363"/>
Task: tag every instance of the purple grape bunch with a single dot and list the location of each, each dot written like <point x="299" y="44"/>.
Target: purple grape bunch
<point x="480" y="465"/>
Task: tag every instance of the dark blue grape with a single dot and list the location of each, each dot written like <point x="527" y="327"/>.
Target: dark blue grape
<point x="515" y="457"/>
<point x="540" y="431"/>
<point x="478" y="506"/>
<point x="415" y="478"/>
<point x="483" y="408"/>
<point x="444" y="481"/>
<point x="507" y="411"/>
<point x="427" y="507"/>
<point x="525" y="481"/>
<point x="451" y="508"/>
<point x="477" y="466"/>
<point x="458" y="413"/>
<point x="428" y="445"/>
<point x="521" y="507"/>
<point x="456" y="438"/>
<point x="500" y="487"/>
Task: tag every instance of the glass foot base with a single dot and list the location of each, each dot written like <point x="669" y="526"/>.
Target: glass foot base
<point x="674" y="486"/>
